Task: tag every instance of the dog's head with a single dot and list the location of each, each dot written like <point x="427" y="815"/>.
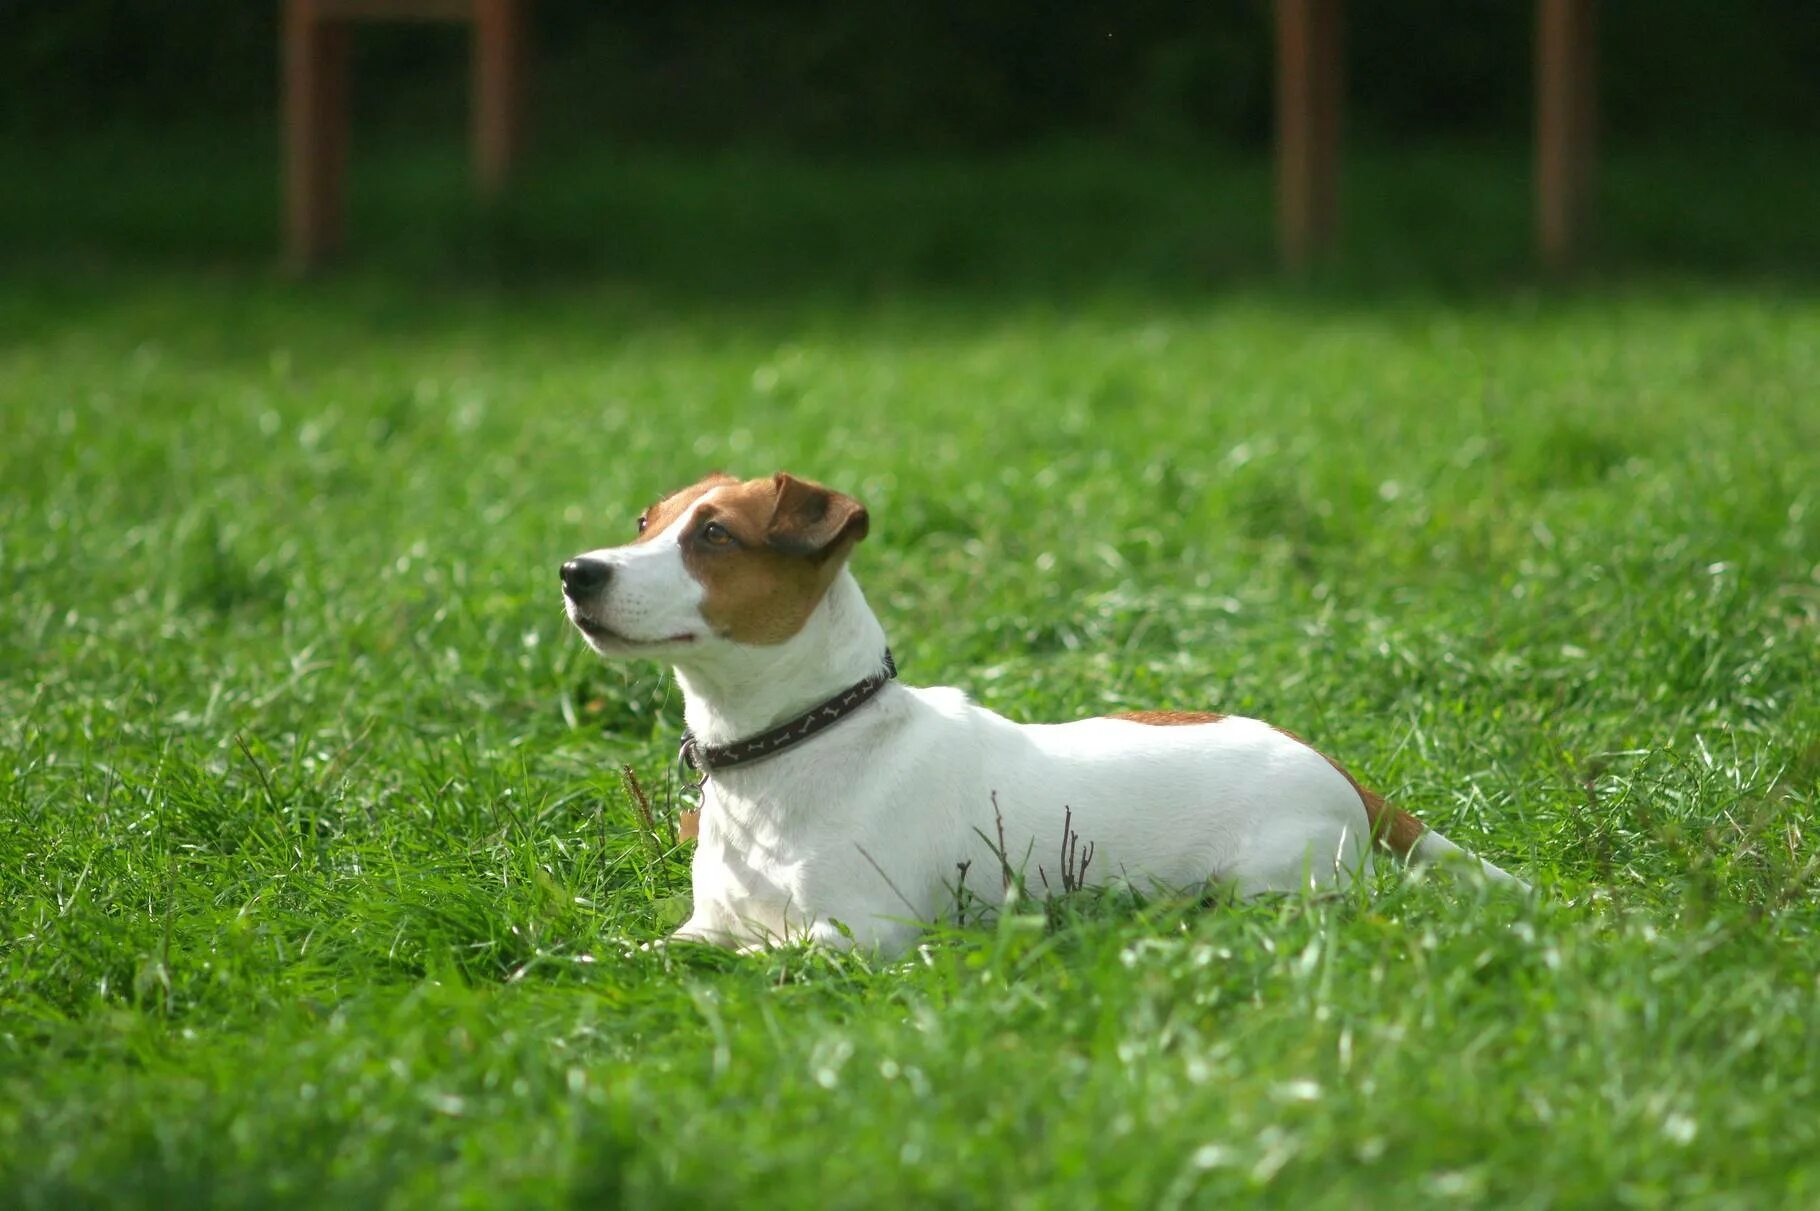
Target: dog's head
<point x="721" y="561"/>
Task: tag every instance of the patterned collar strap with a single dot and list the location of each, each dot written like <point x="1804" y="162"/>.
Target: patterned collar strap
<point x="712" y="758"/>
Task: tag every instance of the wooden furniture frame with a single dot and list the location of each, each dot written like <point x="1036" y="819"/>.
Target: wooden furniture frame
<point x="1566" y="105"/>
<point x="316" y="38"/>
<point x="1310" y="87"/>
<point x="1309" y="100"/>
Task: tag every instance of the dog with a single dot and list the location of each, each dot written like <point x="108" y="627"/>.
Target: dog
<point x="844" y="808"/>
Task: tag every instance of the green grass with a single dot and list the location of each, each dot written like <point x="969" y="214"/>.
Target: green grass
<point x="318" y="884"/>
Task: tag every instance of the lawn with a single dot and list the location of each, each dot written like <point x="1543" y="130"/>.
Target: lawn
<point x="319" y="883"/>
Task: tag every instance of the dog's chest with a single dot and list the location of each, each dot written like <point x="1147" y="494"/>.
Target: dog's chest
<point x="749" y="862"/>
<point x="783" y="850"/>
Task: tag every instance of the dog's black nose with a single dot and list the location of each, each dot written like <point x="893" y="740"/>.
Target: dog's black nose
<point x="585" y="576"/>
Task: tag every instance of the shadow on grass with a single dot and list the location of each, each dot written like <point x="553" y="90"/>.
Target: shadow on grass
<point x="738" y="230"/>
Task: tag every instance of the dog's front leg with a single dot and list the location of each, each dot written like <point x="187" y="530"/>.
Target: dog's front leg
<point x="867" y="932"/>
<point x="830" y="934"/>
<point x="700" y="929"/>
<point x="819" y="933"/>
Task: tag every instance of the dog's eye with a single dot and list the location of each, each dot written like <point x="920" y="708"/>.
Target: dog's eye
<point x="643" y="521"/>
<point x="715" y="534"/>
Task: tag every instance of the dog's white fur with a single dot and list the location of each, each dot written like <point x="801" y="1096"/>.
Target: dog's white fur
<point x="860" y="835"/>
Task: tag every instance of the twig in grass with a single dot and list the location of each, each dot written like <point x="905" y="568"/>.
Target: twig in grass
<point x="170" y="907"/>
<point x="505" y="801"/>
<point x="170" y="877"/>
<point x="888" y="883"/>
<point x="641" y="803"/>
<point x="271" y="796"/>
<point x="1074" y="863"/>
<point x="600" y="824"/>
<point x="1011" y="881"/>
<point x="332" y="768"/>
<point x="1004" y="859"/>
<point x="962" y="895"/>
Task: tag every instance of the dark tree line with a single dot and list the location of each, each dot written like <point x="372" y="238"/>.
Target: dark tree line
<point x="948" y="76"/>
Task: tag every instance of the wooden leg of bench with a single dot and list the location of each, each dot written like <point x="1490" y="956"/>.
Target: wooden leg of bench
<point x="1309" y="88"/>
<point x="499" y="54"/>
<point x="315" y="133"/>
<point x="1566" y="101"/>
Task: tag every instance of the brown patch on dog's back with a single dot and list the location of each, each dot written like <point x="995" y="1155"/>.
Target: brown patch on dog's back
<point x="790" y="538"/>
<point x="1169" y="718"/>
<point x="1391" y="827"/>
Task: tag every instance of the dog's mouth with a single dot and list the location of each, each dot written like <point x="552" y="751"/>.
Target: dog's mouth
<point x="606" y="636"/>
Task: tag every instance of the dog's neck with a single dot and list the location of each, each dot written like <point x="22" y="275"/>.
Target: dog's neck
<point x="743" y="691"/>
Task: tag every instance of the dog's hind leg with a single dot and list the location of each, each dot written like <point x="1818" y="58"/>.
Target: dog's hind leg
<point x="1293" y="861"/>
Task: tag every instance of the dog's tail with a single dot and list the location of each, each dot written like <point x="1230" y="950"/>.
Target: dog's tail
<point x="1407" y="837"/>
<point x="1419" y="845"/>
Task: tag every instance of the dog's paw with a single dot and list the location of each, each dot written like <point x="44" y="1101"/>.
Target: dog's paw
<point x="700" y="934"/>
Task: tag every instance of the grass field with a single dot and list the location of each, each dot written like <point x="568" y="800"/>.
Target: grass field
<point x="318" y="883"/>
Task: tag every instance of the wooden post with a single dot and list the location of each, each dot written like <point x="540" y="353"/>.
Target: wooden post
<point x="498" y="91"/>
<point x="1309" y="91"/>
<point x="315" y="131"/>
<point x="1566" y="101"/>
<point x="315" y="49"/>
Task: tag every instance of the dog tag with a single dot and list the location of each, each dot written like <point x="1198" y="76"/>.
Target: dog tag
<point x="688" y="825"/>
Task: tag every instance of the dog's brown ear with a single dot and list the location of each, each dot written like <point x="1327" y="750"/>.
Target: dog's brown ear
<point x="812" y="520"/>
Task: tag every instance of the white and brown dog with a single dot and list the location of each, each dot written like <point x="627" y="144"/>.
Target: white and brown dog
<point x="845" y="808"/>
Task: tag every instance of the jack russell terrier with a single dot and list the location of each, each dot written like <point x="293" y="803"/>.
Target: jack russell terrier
<point x="844" y="808"/>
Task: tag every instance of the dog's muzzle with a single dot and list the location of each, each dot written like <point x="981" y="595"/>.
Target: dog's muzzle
<point x="585" y="577"/>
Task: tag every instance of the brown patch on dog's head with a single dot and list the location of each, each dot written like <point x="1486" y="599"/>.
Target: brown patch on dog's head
<point x="1169" y="718"/>
<point x="765" y="551"/>
<point x="656" y="519"/>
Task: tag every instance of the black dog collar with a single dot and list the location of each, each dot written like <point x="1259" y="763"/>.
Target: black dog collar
<point x="711" y="758"/>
